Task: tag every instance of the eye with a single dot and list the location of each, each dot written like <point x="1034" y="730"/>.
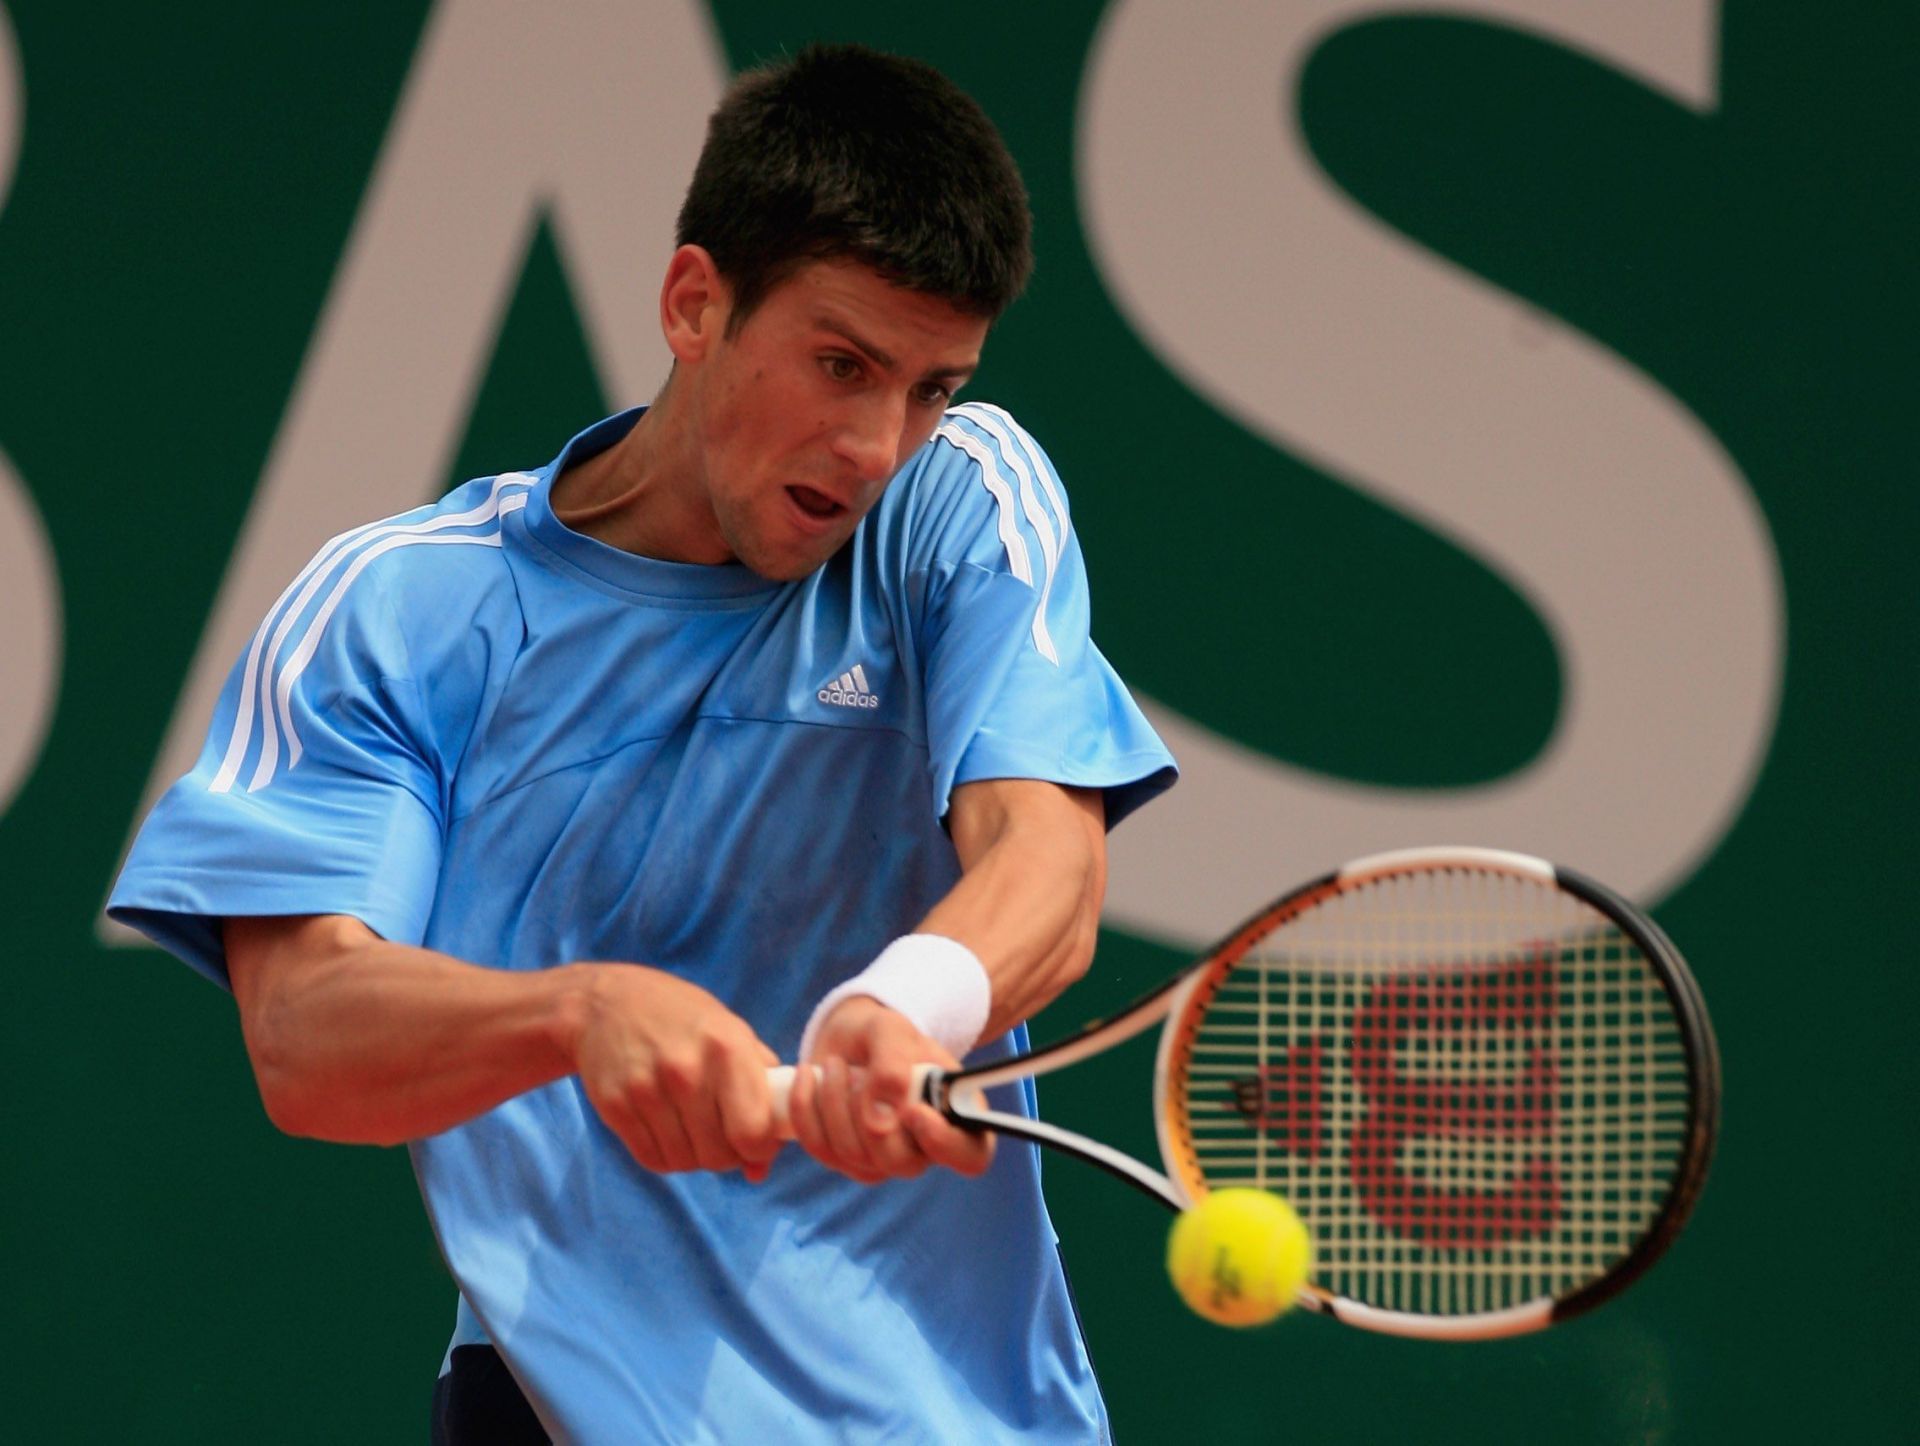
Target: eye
<point x="840" y="367"/>
<point x="932" y="394"/>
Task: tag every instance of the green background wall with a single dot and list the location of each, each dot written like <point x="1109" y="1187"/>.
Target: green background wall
<point x="186" y="184"/>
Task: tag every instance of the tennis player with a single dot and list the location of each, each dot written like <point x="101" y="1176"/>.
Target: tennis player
<point x="760" y="724"/>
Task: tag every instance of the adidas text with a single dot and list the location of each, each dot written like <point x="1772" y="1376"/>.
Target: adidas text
<point x="849" y="690"/>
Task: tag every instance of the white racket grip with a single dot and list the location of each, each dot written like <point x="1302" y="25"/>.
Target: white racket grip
<point x="780" y="1086"/>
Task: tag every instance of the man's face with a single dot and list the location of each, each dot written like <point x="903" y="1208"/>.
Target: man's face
<point x="809" y="409"/>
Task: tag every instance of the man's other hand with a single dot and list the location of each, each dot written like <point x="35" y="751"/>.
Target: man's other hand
<point x="856" y="1111"/>
<point x="678" y="1076"/>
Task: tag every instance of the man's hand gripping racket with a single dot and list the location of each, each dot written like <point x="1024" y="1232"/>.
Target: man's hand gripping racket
<point x="1487" y="1085"/>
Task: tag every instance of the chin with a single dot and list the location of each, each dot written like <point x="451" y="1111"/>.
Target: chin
<point x="780" y="554"/>
<point x="785" y="566"/>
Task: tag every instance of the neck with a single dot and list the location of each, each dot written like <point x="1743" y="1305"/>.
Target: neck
<point x="643" y="495"/>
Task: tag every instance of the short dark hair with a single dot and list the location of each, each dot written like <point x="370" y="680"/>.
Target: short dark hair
<point x="842" y="151"/>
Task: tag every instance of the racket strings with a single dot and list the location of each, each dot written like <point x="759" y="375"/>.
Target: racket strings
<point x="1471" y="1085"/>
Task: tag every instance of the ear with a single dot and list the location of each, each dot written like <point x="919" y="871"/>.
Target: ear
<point x="695" y="302"/>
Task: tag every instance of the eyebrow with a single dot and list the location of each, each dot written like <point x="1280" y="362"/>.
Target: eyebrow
<point x="886" y="362"/>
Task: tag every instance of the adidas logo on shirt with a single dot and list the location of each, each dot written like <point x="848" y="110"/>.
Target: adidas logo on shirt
<point x="849" y="690"/>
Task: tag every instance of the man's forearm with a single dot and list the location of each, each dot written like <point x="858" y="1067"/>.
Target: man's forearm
<point x="1028" y="903"/>
<point x="359" y="1040"/>
<point x="1027" y="906"/>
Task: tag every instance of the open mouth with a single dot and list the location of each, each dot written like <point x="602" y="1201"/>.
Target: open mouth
<point x="815" y="504"/>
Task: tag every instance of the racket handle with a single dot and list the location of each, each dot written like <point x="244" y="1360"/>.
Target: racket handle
<point x="780" y="1085"/>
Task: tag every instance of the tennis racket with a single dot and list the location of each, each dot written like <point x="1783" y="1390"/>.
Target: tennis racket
<point x="1488" y="1086"/>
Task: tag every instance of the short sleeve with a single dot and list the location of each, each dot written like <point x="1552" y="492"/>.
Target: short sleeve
<point x="318" y="791"/>
<point x="1015" y="687"/>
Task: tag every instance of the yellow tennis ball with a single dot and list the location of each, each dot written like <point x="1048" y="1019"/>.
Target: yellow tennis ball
<point x="1239" y="1257"/>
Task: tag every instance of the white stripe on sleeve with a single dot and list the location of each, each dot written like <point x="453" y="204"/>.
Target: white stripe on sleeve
<point x="997" y="424"/>
<point x="1023" y="439"/>
<point x="308" y="583"/>
<point x="1010" y="537"/>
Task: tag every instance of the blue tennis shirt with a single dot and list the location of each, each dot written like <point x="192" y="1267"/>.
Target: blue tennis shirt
<point x="477" y="730"/>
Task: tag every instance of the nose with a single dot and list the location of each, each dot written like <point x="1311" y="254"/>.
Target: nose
<point x="868" y="440"/>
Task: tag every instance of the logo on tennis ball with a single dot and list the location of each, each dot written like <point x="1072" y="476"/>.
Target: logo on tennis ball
<point x="1226" y="1280"/>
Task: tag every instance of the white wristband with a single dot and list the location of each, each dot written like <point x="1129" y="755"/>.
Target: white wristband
<point x="938" y="983"/>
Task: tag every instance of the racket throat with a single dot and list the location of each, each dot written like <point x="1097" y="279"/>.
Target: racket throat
<point x="966" y="1103"/>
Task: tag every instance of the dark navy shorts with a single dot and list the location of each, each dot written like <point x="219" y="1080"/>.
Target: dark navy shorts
<point x="478" y="1403"/>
